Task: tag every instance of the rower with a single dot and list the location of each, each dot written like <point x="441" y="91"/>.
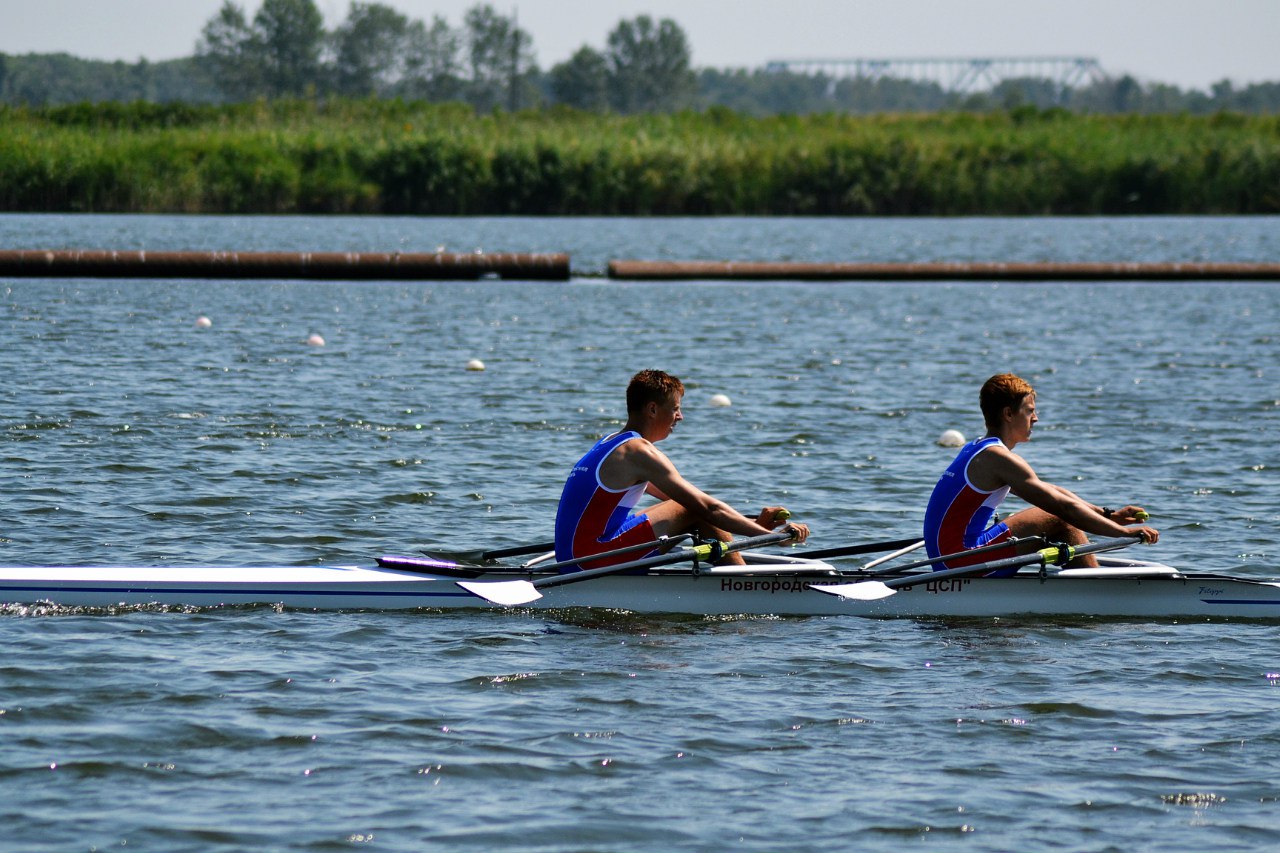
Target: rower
<point x="597" y="507"/>
<point x="962" y="510"/>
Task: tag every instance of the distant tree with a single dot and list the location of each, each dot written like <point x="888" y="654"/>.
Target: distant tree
<point x="1028" y="91"/>
<point x="1258" y="98"/>
<point x="370" y="50"/>
<point x="1126" y="95"/>
<point x="649" y="66"/>
<point x="762" y="92"/>
<point x="862" y="95"/>
<point x="501" y="59"/>
<point x="288" y="39"/>
<point x="582" y="81"/>
<point x="1161" y="98"/>
<point x="433" y="67"/>
<point x="224" y="52"/>
<point x="280" y="55"/>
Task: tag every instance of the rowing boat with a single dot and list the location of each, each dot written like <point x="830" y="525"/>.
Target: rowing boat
<point x="773" y="584"/>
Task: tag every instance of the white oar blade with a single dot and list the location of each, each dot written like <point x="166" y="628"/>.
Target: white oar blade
<point x="861" y="591"/>
<point x="506" y="593"/>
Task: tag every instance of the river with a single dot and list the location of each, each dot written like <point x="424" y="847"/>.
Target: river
<point x="132" y="436"/>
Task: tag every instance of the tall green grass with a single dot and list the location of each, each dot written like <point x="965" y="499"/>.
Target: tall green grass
<point x="394" y="157"/>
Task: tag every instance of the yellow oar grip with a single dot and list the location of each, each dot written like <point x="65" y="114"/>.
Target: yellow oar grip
<point x="1058" y="555"/>
<point x="782" y="515"/>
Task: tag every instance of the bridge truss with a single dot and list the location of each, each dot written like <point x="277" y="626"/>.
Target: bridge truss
<point x="953" y="75"/>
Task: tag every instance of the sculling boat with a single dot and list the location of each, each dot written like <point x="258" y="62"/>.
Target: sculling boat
<point x="768" y="584"/>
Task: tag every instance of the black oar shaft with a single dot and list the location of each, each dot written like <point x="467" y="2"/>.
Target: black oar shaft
<point x="851" y="550"/>
<point x="517" y="551"/>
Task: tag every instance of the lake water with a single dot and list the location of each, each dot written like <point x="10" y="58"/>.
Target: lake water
<point x="129" y="436"/>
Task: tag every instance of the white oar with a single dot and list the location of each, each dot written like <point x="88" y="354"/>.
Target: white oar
<point x="512" y="593"/>
<point x="1057" y="554"/>
<point x="895" y="555"/>
<point x="616" y="552"/>
<point x="1003" y="545"/>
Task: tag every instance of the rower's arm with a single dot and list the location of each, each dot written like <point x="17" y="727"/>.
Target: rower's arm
<point x="1012" y="470"/>
<point x="666" y="483"/>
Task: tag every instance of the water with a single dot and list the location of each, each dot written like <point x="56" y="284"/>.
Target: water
<point x="129" y="436"/>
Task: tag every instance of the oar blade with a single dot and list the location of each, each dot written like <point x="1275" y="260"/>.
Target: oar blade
<point x="861" y="591"/>
<point x="506" y="593"/>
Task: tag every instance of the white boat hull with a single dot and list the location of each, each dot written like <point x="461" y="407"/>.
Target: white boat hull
<point x="1125" y="589"/>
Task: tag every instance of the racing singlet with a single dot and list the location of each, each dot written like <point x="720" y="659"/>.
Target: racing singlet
<point x="959" y="513"/>
<point x="593" y="518"/>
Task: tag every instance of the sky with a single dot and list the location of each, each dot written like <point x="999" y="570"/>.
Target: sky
<point x="1188" y="43"/>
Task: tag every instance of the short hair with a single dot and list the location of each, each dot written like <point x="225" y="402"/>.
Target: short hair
<point x="1004" y="390"/>
<point x="651" y="386"/>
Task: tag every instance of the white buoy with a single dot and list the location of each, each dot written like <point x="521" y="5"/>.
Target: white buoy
<point x="475" y="364"/>
<point x="315" y="340"/>
<point x="720" y="401"/>
<point x="951" y="438"/>
<point x="203" y="322"/>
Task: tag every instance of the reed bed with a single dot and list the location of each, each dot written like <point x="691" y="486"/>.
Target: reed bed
<point x="407" y="158"/>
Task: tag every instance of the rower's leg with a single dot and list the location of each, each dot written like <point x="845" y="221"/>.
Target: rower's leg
<point x="669" y="518"/>
<point x="1034" y="521"/>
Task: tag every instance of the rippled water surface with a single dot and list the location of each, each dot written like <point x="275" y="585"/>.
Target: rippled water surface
<point x="129" y="436"/>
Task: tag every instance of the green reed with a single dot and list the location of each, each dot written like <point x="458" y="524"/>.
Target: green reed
<point x="394" y="157"/>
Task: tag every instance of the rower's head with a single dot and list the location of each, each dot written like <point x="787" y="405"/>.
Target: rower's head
<point x="654" y="397"/>
<point x="1003" y="393"/>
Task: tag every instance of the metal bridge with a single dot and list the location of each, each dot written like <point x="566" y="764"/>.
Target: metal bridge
<point x="954" y="75"/>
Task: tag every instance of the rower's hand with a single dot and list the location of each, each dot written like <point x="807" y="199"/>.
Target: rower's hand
<point x="1130" y="515"/>
<point x="799" y="532"/>
<point x="1150" y="535"/>
<point x="771" y="516"/>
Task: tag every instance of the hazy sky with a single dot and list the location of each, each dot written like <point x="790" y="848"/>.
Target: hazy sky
<point x="1190" y="43"/>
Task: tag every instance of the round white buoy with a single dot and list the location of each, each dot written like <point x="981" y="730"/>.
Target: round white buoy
<point x="720" y="401"/>
<point x="203" y="322"/>
<point x="315" y="340"/>
<point x="475" y="364"/>
<point x="951" y="438"/>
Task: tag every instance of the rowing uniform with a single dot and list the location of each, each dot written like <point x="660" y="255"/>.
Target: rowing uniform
<point x="960" y="516"/>
<point x="592" y="518"/>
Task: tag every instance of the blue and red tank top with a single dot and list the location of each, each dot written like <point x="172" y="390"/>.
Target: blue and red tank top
<point x="592" y="517"/>
<point x="959" y="514"/>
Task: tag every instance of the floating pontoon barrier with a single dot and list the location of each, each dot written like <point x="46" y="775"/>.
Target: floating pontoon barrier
<point x="304" y="265"/>
<point x="946" y="271"/>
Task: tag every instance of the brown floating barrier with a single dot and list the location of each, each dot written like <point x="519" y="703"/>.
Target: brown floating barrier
<point x="945" y="271"/>
<point x="72" y="263"/>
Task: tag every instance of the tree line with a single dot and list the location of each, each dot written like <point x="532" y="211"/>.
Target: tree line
<point x="488" y="62"/>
